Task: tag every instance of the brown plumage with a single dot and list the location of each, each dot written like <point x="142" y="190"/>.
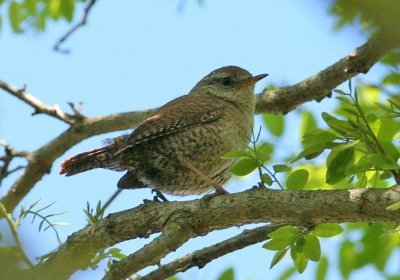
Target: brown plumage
<point x="178" y="150"/>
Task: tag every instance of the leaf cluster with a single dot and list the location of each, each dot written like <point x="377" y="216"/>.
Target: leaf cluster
<point x="34" y="14"/>
<point x="360" y="146"/>
<point x="303" y="245"/>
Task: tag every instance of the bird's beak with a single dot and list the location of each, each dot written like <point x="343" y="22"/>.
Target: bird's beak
<point x="252" y="81"/>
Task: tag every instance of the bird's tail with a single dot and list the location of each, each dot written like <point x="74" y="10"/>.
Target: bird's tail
<point x="98" y="158"/>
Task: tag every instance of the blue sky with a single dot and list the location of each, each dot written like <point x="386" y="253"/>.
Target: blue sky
<point x="135" y="55"/>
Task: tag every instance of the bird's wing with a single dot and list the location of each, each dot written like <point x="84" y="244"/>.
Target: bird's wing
<point x="175" y="116"/>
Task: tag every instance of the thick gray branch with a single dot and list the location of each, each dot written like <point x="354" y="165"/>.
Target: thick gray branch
<point x="252" y="206"/>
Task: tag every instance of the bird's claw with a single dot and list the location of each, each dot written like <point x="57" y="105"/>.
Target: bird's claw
<point x="159" y="197"/>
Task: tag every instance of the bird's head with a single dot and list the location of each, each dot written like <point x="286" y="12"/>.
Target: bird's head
<point x="230" y="83"/>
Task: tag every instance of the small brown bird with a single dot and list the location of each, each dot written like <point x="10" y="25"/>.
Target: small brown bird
<point x="178" y="149"/>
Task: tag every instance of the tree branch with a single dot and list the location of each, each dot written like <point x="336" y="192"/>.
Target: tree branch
<point x="178" y="229"/>
<point x="320" y="85"/>
<point x="81" y="23"/>
<point x="37" y="105"/>
<point x="284" y="206"/>
<point x="280" y="100"/>
<point x="202" y="257"/>
<point x="41" y="160"/>
<point x="10" y="154"/>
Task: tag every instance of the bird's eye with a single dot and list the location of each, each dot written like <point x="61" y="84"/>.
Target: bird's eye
<point x="227" y="81"/>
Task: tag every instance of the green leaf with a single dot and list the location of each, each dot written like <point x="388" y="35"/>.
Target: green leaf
<point x="274" y="123"/>
<point x="299" y="259"/>
<point x="227" y="274"/>
<point x="308" y="122"/>
<point x="364" y="164"/>
<point x="390" y="150"/>
<point x="54" y="7"/>
<point x="244" y="167"/>
<point x="342" y="127"/>
<point x="315" y="142"/>
<point x="362" y="182"/>
<point x="311" y="152"/>
<point x="30" y="6"/>
<point x="394" y="103"/>
<point x="235" y="154"/>
<point x="383" y="106"/>
<point x="345" y="100"/>
<point x="116" y="253"/>
<point x="392" y="58"/>
<point x="383" y="162"/>
<point x="327" y="230"/>
<point x="41" y="21"/>
<point x="14" y="13"/>
<point x="338" y="165"/>
<point x="279" y="243"/>
<point x="347" y="257"/>
<point x="297" y="180"/>
<point x="339" y="91"/>
<point x="282" y="238"/>
<point x="61" y="224"/>
<point x="345" y="146"/>
<point x="378" y="161"/>
<point x="371" y="118"/>
<point x="285" y="231"/>
<point x="385" y="175"/>
<point x="301" y="263"/>
<point x="280" y="168"/>
<point x="277" y="257"/>
<point x="264" y="152"/>
<point x="312" y="248"/>
<point x="318" y="136"/>
<point x="393" y="207"/>
<point x="392" y="79"/>
<point x="322" y="269"/>
<point x="286" y="274"/>
<point x="266" y="179"/>
<point x="67" y="9"/>
<point x="350" y="111"/>
<point x="299" y="244"/>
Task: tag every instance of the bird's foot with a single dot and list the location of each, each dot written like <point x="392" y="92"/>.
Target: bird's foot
<point x="219" y="190"/>
<point x="159" y="197"/>
<point x="260" y="186"/>
<point x="207" y="198"/>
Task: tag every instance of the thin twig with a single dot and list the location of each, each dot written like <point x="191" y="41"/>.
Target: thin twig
<point x="10" y="153"/>
<point x="39" y="106"/>
<point x="110" y="200"/>
<point x="82" y="22"/>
